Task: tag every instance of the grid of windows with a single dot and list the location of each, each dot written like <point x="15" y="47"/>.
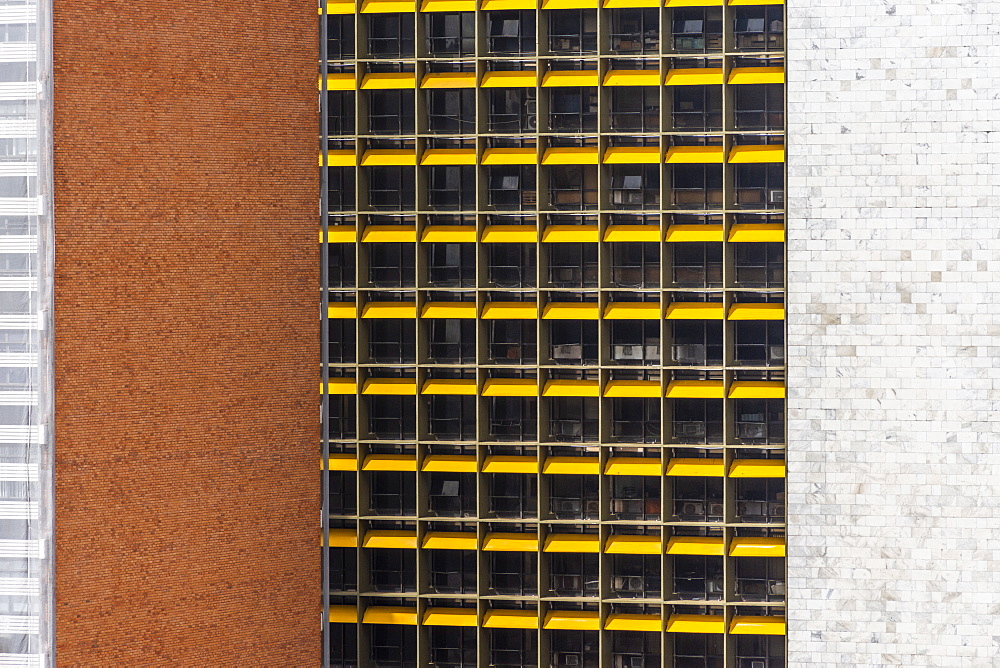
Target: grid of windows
<point x="553" y="386"/>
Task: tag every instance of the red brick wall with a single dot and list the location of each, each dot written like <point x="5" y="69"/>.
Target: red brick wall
<point x="186" y="329"/>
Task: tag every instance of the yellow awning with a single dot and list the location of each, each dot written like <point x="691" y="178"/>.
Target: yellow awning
<point x="757" y="547"/>
<point x="451" y="617"/>
<point x="510" y="387"/>
<point x="696" y="546"/>
<point x="341" y="386"/>
<point x="335" y="7"/>
<point x="448" y="6"/>
<point x="569" y="4"/>
<point x="519" y="79"/>
<point x="510" y="234"/>
<point x="633" y="622"/>
<point x="645" y="389"/>
<point x="511" y="619"/>
<point x="570" y="155"/>
<point x="571" y="465"/>
<point x="696" y="389"/>
<point x="696" y="76"/>
<point x="696" y="624"/>
<point x="764" y="626"/>
<point x="403" y="463"/>
<point x="449" y="540"/>
<point x="406" y="540"/>
<point x="448" y="156"/>
<point x="757" y="75"/>
<point x="632" y="311"/>
<point x="388" y="80"/>
<point x="689" y="233"/>
<point x="694" y="155"/>
<point x="695" y="311"/>
<point x="766" y="232"/>
<point x="767" y="311"/>
<point x="510" y="542"/>
<point x="387" y="6"/>
<point x="565" y="620"/>
<point x="649" y="233"/>
<point x="343" y="614"/>
<point x="757" y="154"/>
<point x="572" y="542"/>
<point x="626" y="544"/>
<point x="449" y="79"/>
<point x="340" y="234"/>
<point x="757" y="468"/>
<point x="390" y="615"/>
<point x="633" y="466"/>
<point x="389" y="234"/>
<point x="757" y="389"/>
<point x="556" y="234"/>
<point x="510" y="464"/>
<point x="571" y="388"/>
<point x="460" y="386"/>
<point x="442" y="310"/>
<point x="571" y="311"/>
<point x="510" y="311"/>
<point x="342" y="538"/>
<point x="632" y="78"/>
<point x="342" y="462"/>
<point x="562" y="78"/>
<point x="340" y="81"/>
<point x="393" y="386"/>
<point x="402" y="157"/>
<point x="696" y="466"/>
<point x="510" y="156"/>
<point x="633" y="155"/>
<point x="449" y="234"/>
<point x="449" y="464"/>
<point x="340" y="158"/>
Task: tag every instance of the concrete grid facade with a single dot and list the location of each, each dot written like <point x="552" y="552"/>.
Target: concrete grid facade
<point x="893" y="319"/>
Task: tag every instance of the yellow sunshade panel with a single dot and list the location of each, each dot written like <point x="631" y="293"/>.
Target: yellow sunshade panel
<point x="632" y="466"/>
<point x="764" y="626"/>
<point x="757" y="468"/>
<point x="735" y="3"/>
<point x="569" y="4"/>
<point x="560" y="234"/>
<point x="757" y="154"/>
<point x="387" y="6"/>
<point x="690" y="233"/>
<point x="449" y="79"/>
<point x="696" y="466"/>
<point x="449" y="540"/>
<point x="450" y="617"/>
<point x="564" y="78"/>
<point x="406" y="540"/>
<point x="510" y="311"/>
<point x="572" y="465"/>
<point x="694" y="76"/>
<point x="388" y="80"/>
<point x="632" y="78"/>
<point x="341" y="310"/>
<point x="510" y="234"/>
<point x="340" y="234"/>
<point x="449" y="234"/>
<point x="757" y="389"/>
<point x="509" y="156"/>
<point x="333" y="7"/>
<point x="510" y="619"/>
<point x="564" y="620"/>
<point x="696" y="389"/>
<point x="694" y="155"/>
<point x="341" y="386"/>
<point x="404" y="463"/>
<point x="510" y="542"/>
<point x="393" y="386"/>
<point x="461" y="386"/>
<point x="704" y="546"/>
<point x="448" y="156"/>
<point x="633" y="622"/>
<point x="342" y="538"/>
<point x="400" y="234"/>
<point x="389" y="310"/>
<point x="340" y="81"/>
<point x="520" y="79"/>
<point x="340" y="158"/>
<point x="571" y="388"/>
<point x="571" y="311"/>
<point x="696" y="624"/>
<point x="695" y="311"/>
<point x="632" y="232"/>
<point x="632" y="311"/>
<point x="622" y="544"/>
<point x="757" y="547"/>
<point x="449" y="464"/>
<point x="510" y="464"/>
<point x="625" y="4"/>
<point x="343" y="614"/>
<point x="342" y="462"/>
<point x="571" y="155"/>
<point x="632" y="155"/>
<point x="771" y="311"/>
<point x="757" y="75"/>
<point x="448" y="6"/>
<point x="572" y="542"/>
<point x="647" y="389"/>
<point x="440" y="310"/>
<point x="390" y="615"/>
<point x="767" y="232"/>
<point x="510" y="387"/>
<point x="693" y="3"/>
<point x="403" y="157"/>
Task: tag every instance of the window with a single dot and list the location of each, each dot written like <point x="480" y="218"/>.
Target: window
<point x="453" y="647"/>
<point x="635" y="576"/>
<point x="391" y="188"/>
<point x="340" y="265"/>
<point x="392" y="417"/>
<point x="759" y="29"/>
<point x="513" y="495"/>
<point x="343" y="569"/>
<point x="451" y="418"/>
<point x="760" y="579"/>
<point x="573" y="109"/>
<point x="390" y="112"/>
<point x="573" y="574"/>
<point x="451" y="111"/>
<point x="340" y="188"/>
<point x="635" y="342"/>
<point x="635" y="186"/>
<point x="572" y="265"/>
<point x="635" y="31"/>
<point x="635" y="109"/>
<point x="635" y="497"/>
<point x="697" y="342"/>
<point x="452" y="571"/>
<point x="698" y="578"/>
<point x="760" y="343"/>
<point x="696" y="186"/>
<point x="452" y="494"/>
<point x="573" y="187"/>
<point x="573" y="341"/>
<point x="451" y="188"/>
<point x="697" y="265"/>
<point x="392" y="341"/>
<point x="451" y="34"/>
<point x="340" y="419"/>
<point x="760" y="265"/>
<point x="393" y="570"/>
<point x="511" y="33"/>
<point x="391" y="265"/>
<point x="450" y="341"/>
<point x="697" y="108"/>
<point x="511" y="265"/>
<point x="390" y="35"/>
<point x="760" y="107"/>
<point x="512" y="341"/>
<point x="512" y="188"/>
<point x="635" y="265"/>
<point x="760" y="651"/>
<point x="760" y="500"/>
<point x="698" y="499"/>
<point x="451" y="265"/>
<point x="574" y="648"/>
<point x="760" y="421"/>
<point x="393" y="493"/>
<point x="760" y="186"/>
<point x="343" y="490"/>
<point x="697" y="30"/>
<point x="513" y="648"/>
<point x="513" y="573"/>
<point x="343" y="645"/>
<point x="574" y="497"/>
<point x="635" y="420"/>
<point x="393" y="645"/>
<point x="340" y="113"/>
<point x="512" y="110"/>
<point x="572" y="31"/>
<point x="698" y="650"/>
<point x="635" y="649"/>
<point x="339" y="37"/>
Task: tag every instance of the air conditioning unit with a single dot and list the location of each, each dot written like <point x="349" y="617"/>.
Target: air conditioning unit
<point x="751" y="508"/>
<point x="637" y="662"/>
<point x="689" y="429"/>
<point x="531" y="106"/>
<point x="689" y="353"/>
<point x="568" y="506"/>
<point x="758" y="664"/>
<point x="568" y="659"/>
<point x="715" y="509"/>
<point x="777" y="588"/>
<point x="693" y="508"/>
<point x="567" y="429"/>
<point x="572" y="351"/>
<point x="566" y="582"/>
<point x="776" y="353"/>
<point x="777" y="510"/>
<point x="751" y="430"/>
<point x="626" y="197"/>
<point x="531" y="122"/>
<point x="776" y="196"/>
<point x="627" y="352"/>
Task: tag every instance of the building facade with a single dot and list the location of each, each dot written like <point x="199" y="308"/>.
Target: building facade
<point x="554" y="335"/>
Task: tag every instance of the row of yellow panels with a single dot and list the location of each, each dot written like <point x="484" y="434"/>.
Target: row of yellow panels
<point x="645" y="466"/>
<point x="559" y="311"/>
<point x="528" y="234"/>
<point x="564" y="155"/>
<point x="530" y="387"/>
<point x="582" y="620"/>
<point x="678" y="76"/>
<point x="403" y="6"/>
<point x="704" y="546"/>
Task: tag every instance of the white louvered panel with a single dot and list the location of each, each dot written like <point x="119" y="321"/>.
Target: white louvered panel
<point x="19" y="472"/>
<point x="20" y="434"/>
<point x="18" y="586"/>
<point x="13" y="398"/>
<point x="18" y="510"/>
<point x="18" y="359"/>
<point x="18" y="90"/>
<point x="19" y="14"/>
<point x="20" y="661"/>
<point x="19" y="243"/>
<point x="8" y="321"/>
<point x="18" y="52"/>
<point x="18" y="283"/>
<point x="20" y="549"/>
<point x="19" y="206"/>
<point x="18" y="168"/>
<point x="19" y="625"/>
<point x="16" y="127"/>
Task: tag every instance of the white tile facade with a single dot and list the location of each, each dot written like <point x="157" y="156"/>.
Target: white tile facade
<point x="894" y="333"/>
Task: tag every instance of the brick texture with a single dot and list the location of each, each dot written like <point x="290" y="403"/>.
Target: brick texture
<point x="186" y="335"/>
